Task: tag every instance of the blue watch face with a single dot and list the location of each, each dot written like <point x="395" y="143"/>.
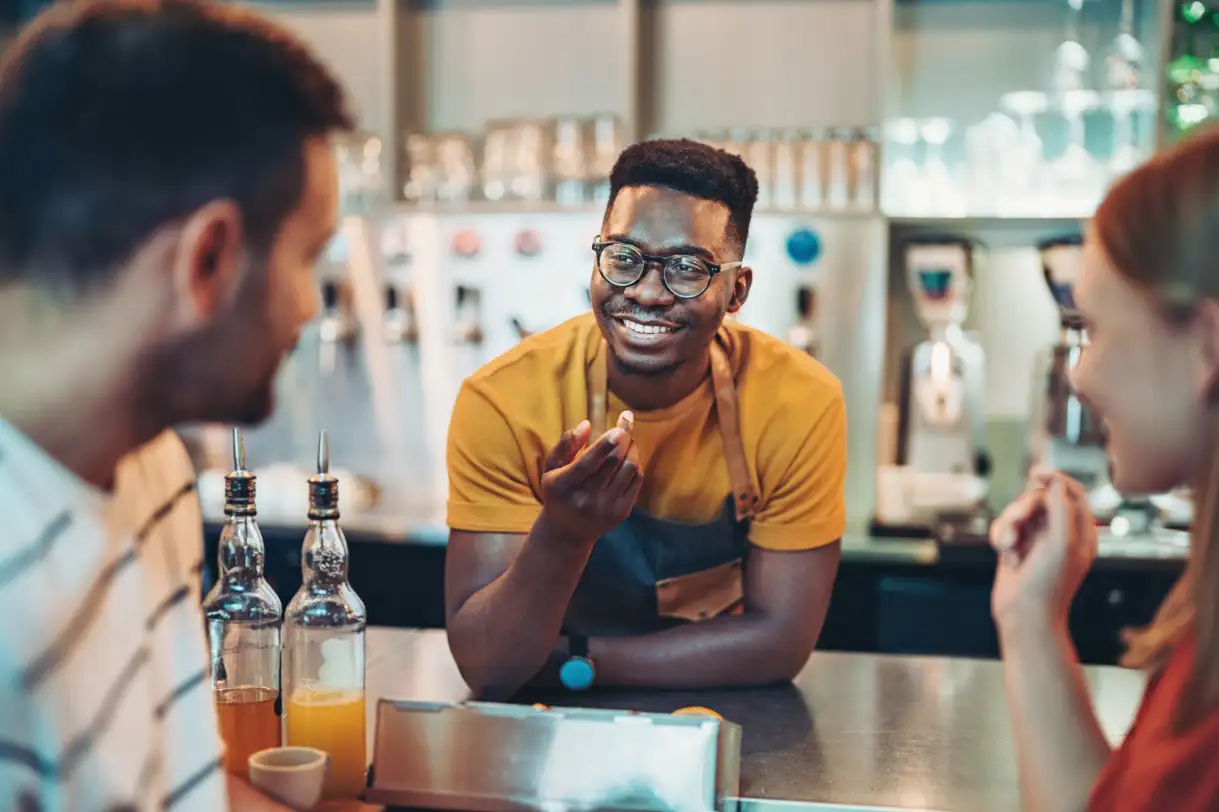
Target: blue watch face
<point x="577" y="674"/>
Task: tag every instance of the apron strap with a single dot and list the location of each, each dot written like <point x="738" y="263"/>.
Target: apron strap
<point x="745" y="501"/>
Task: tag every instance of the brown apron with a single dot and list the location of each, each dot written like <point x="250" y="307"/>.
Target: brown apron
<point x="648" y="574"/>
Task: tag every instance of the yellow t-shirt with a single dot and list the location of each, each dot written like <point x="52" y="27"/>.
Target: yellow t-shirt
<point x="510" y="414"/>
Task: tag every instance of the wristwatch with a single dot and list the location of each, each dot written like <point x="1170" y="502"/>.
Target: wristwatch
<point x="577" y="673"/>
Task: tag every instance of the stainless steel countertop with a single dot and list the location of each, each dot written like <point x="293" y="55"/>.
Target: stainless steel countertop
<point x="857" y="730"/>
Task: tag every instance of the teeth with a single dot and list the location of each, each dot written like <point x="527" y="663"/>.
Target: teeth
<point x="646" y="329"/>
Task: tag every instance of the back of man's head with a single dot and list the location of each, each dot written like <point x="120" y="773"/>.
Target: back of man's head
<point x="167" y="180"/>
<point x="119" y="116"/>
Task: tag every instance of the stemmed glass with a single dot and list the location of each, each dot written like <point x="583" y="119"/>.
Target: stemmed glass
<point x="902" y="180"/>
<point x="1123" y="77"/>
<point x="940" y="187"/>
<point x="1027" y="169"/>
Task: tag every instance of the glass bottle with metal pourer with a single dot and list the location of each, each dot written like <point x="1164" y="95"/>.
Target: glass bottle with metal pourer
<point x="243" y="625"/>
<point x="324" y="645"/>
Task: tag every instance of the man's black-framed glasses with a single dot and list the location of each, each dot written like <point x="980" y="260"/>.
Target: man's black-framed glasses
<point x="684" y="276"/>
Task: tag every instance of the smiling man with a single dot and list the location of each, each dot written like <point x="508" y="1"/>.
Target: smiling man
<point x="694" y="544"/>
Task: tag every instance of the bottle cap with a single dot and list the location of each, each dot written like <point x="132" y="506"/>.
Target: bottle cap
<point x="323" y="488"/>
<point x="239" y="483"/>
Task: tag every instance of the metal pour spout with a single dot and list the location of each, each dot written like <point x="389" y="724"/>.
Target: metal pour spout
<point x="238" y="450"/>
<point x="239" y="483"/>
<point x="323" y="488"/>
<point x="323" y="453"/>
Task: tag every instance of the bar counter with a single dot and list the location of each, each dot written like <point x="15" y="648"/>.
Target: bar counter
<point x="854" y="731"/>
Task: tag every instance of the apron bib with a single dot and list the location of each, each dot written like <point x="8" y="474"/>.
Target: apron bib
<point x="649" y="574"/>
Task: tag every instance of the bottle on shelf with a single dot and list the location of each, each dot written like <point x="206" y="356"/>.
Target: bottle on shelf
<point x="324" y="645"/>
<point x="243" y="624"/>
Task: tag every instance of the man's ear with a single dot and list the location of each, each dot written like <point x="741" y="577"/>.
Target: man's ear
<point x="740" y="288"/>
<point x="207" y="267"/>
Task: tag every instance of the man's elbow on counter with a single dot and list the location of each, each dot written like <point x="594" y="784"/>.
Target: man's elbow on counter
<point x="789" y="661"/>
<point x="486" y="681"/>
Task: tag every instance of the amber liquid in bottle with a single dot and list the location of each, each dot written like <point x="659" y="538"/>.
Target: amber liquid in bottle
<point x="244" y="616"/>
<point x="248" y="723"/>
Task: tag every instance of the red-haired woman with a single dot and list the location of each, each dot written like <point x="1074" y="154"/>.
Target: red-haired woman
<point x="1149" y="294"/>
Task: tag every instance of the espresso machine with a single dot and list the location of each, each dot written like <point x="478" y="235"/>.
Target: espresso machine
<point x="1068" y="436"/>
<point x="941" y="468"/>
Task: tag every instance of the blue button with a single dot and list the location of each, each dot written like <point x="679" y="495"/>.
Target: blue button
<point x="576" y="674"/>
<point x="803" y="246"/>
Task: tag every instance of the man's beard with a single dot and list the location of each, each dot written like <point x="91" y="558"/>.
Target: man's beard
<point x="642" y="370"/>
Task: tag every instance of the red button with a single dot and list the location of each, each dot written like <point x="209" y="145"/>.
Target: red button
<point x="528" y="243"/>
<point x="466" y="243"/>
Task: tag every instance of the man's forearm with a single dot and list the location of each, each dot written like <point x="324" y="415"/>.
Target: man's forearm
<point x="731" y="650"/>
<point x="1059" y="743"/>
<point x="504" y="634"/>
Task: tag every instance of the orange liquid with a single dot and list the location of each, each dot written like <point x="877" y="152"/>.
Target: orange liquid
<point x="332" y="721"/>
<point x="248" y="723"/>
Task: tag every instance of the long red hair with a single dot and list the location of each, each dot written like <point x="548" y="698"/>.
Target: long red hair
<point x="1159" y="227"/>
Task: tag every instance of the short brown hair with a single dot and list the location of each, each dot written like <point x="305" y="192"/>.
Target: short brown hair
<point x="119" y="116"/>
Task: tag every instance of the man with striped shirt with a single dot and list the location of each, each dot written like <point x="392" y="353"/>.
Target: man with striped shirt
<point x="166" y="189"/>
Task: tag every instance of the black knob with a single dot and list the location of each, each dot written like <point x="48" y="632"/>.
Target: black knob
<point x="804" y="301"/>
<point x="391" y="297"/>
<point x="330" y="295"/>
<point x="982" y="464"/>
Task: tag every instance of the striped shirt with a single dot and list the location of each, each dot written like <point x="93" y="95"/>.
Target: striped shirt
<point x="105" y="701"/>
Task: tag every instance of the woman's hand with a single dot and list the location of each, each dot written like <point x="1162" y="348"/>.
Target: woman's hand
<point x="1046" y="541"/>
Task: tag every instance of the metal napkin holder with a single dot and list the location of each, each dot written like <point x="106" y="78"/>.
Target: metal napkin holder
<point x="491" y="757"/>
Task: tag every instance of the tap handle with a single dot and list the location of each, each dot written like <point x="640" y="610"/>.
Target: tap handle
<point x="391" y="297"/>
<point x="330" y="295"/>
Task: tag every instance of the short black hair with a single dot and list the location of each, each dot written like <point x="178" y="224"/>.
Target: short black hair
<point x="119" y="116"/>
<point x="694" y="168"/>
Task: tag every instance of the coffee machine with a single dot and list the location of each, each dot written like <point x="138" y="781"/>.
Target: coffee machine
<point x="941" y="461"/>
<point x="1067" y="435"/>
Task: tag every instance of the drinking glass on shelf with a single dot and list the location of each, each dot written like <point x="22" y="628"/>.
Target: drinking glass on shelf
<point x="1070" y="58"/>
<point x="1023" y="183"/>
<point x="938" y="183"/>
<point x="570" y="161"/>
<point x="360" y="175"/>
<point x="1123" y="77"/>
<point x="811" y="159"/>
<point x="989" y="146"/>
<point x="758" y="154"/>
<point x="528" y="172"/>
<point x="784" y="190"/>
<point x="903" y="179"/>
<point x="455" y="157"/>
<point x="495" y="176"/>
<point x="606" y="139"/>
<point x="837" y="170"/>
<point x="420" y="184"/>
<point x="1076" y="174"/>
<point x="863" y="168"/>
<point x="1124" y="104"/>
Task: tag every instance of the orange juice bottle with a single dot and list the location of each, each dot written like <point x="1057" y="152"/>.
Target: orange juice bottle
<point x="332" y="721"/>
<point x="324" y="646"/>
<point x="243" y="626"/>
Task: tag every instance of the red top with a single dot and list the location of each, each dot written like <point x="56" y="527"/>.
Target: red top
<point x="1155" y="770"/>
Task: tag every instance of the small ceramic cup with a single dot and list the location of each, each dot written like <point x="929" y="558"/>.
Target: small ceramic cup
<point x="291" y="775"/>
